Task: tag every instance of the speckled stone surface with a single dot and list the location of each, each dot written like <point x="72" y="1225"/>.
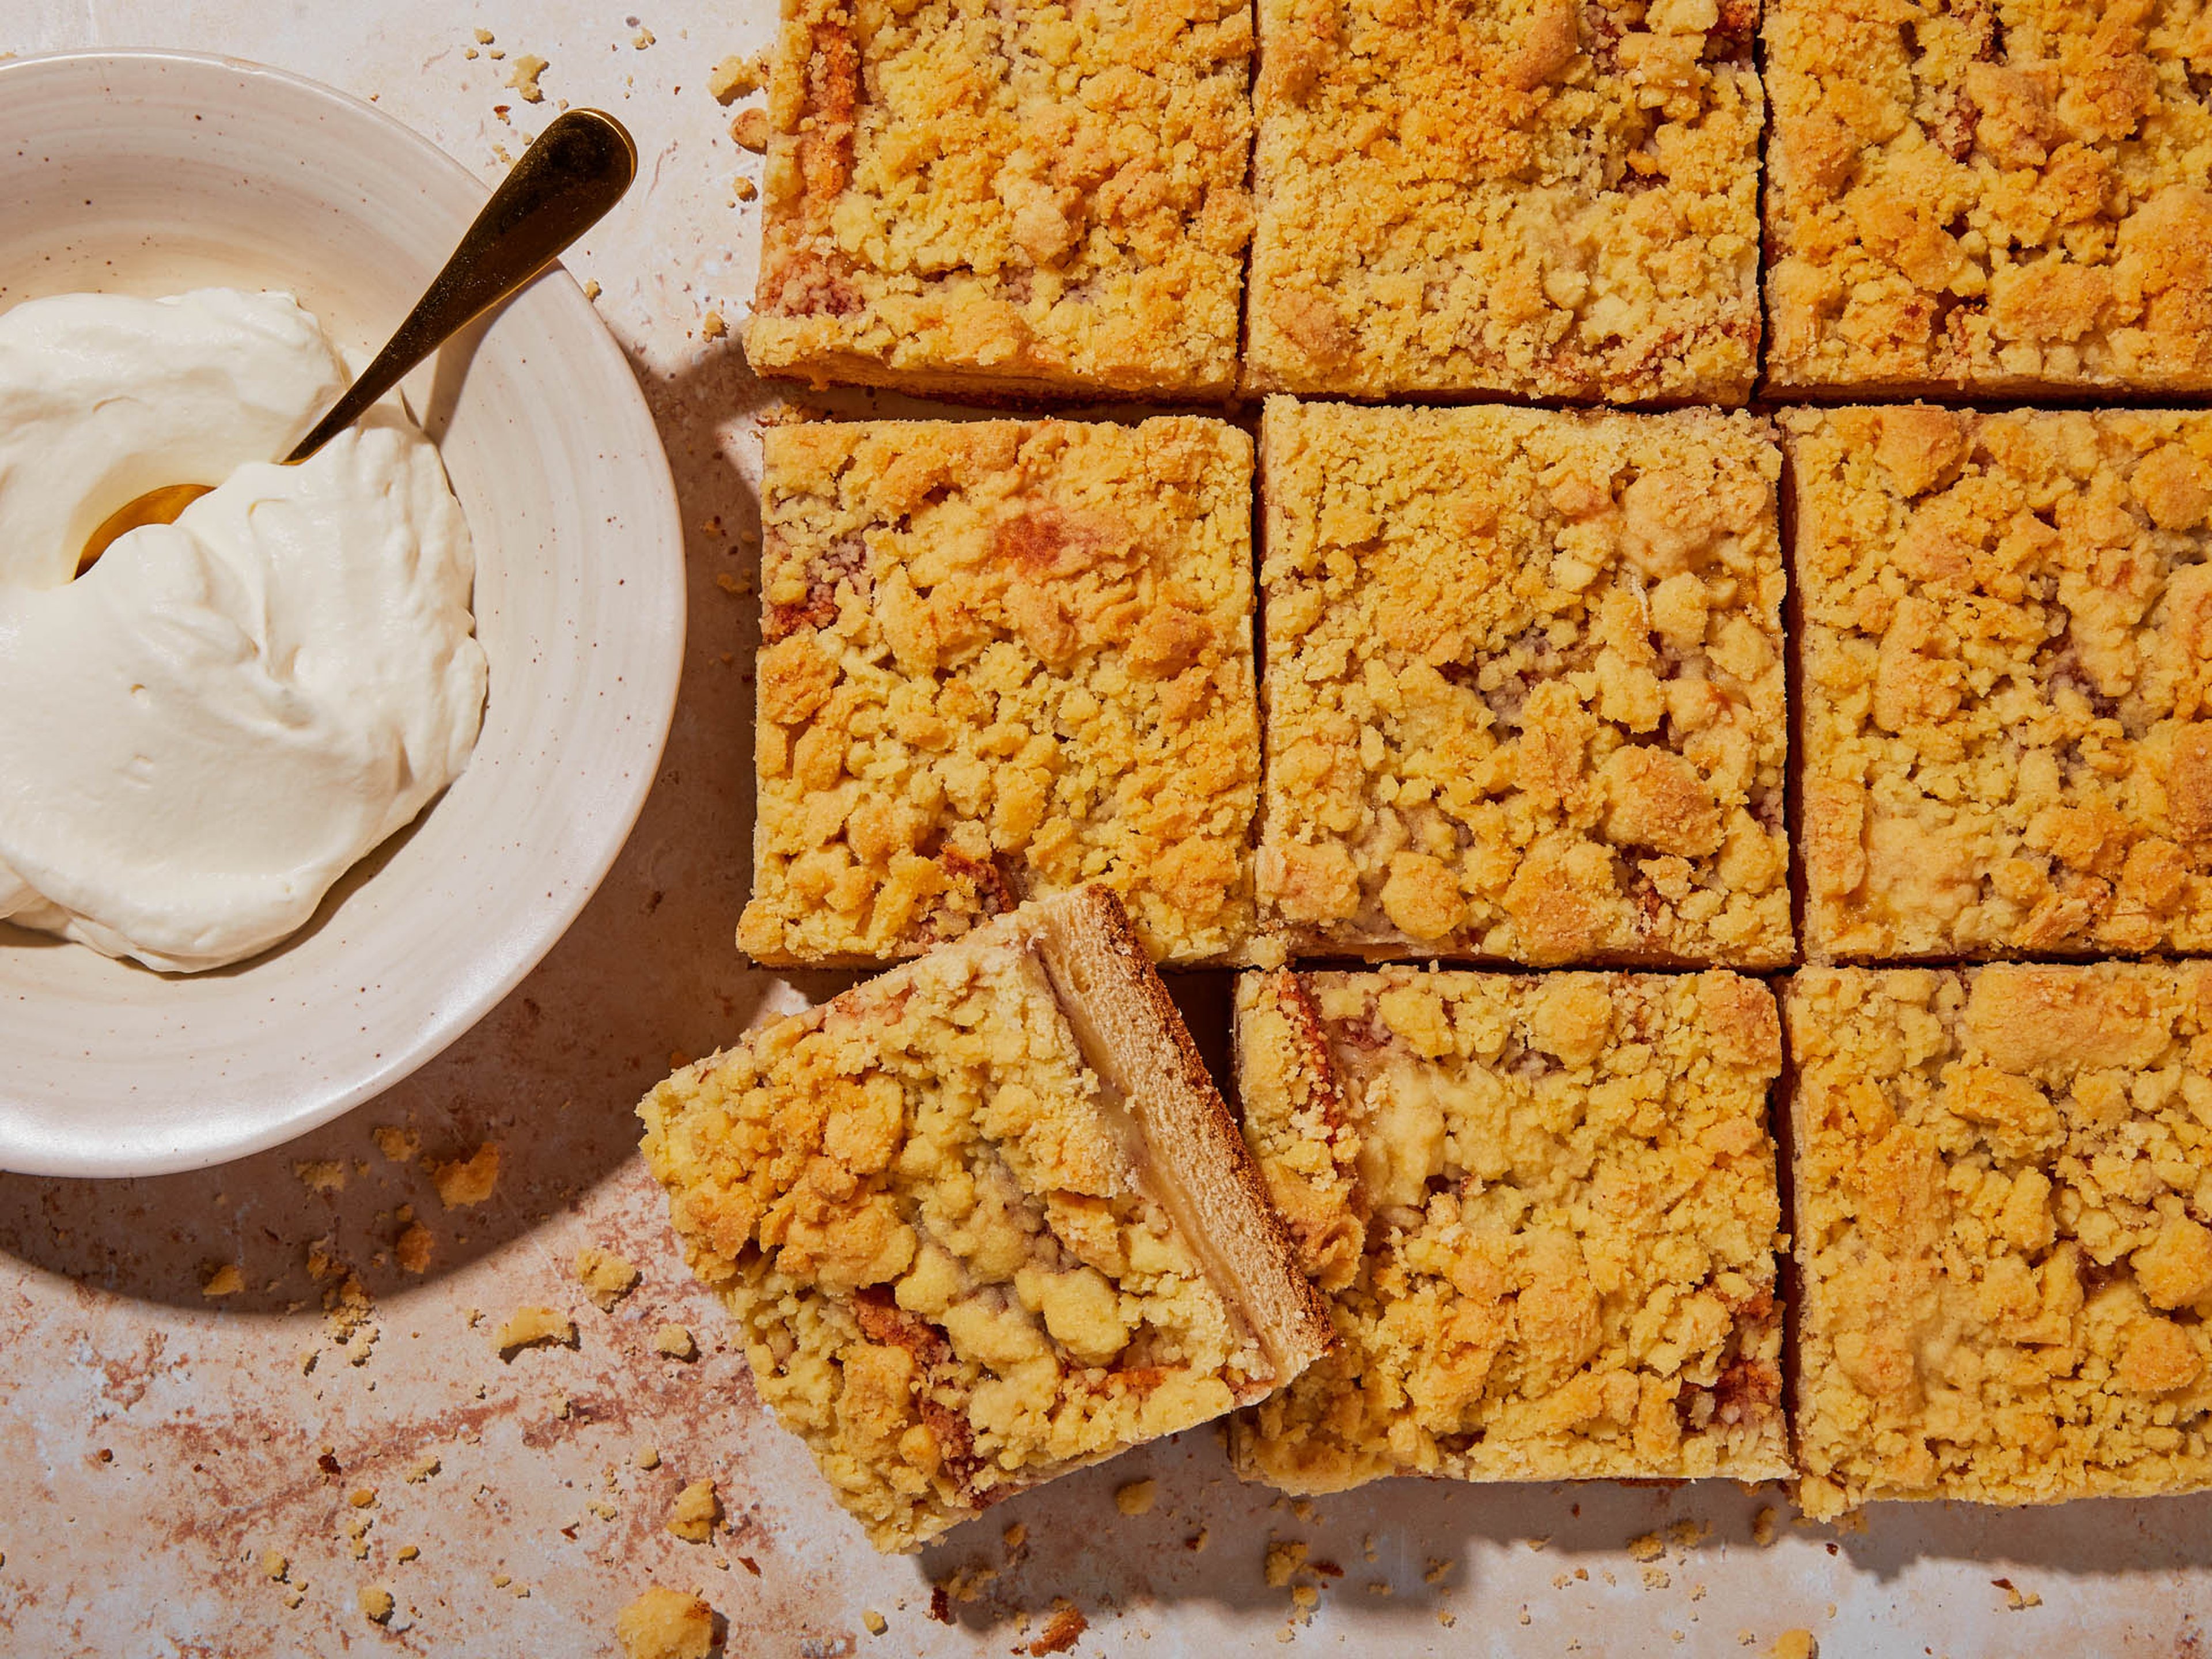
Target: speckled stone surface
<point x="156" y="1444"/>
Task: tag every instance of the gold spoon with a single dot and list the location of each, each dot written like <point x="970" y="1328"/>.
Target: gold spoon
<point x="563" y="184"/>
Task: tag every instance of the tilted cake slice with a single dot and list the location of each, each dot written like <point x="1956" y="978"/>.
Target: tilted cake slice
<point x="984" y="1219"/>
<point x="1543" y="1208"/>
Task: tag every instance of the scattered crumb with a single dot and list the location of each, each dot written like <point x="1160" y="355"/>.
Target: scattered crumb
<point x="1654" y="1577"/>
<point x="221" y="1279"/>
<point x="375" y="1602"/>
<point x="647" y="1457"/>
<point x="1136" y="1498"/>
<point x="468" y="51"/>
<point x="1305" y="1597"/>
<point x="967" y="1583"/>
<point x="676" y="1342"/>
<point x="413" y="1248"/>
<point x="1285" y="1557"/>
<point x="397" y="1144"/>
<point x="483" y="37"/>
<point x="1645" y="1547"/>
<point x="712" y="327"/>
<point x="592" y="289"/>
<point x="1445" y="1618"/>
<point x="642" y="39"/>
<point x="692" y="1515"/>
<point x="530" y="1326"/>
<point x="666" y="1624"/>
<point x="523" y="74"/>
<point x="1794" y="1644"/>
<point x="1304" y="1508"/>
<point x="745" y="189"/>
<point x="750" y="129"/>
<point x="731" y="79"/>
<point x="425" y="1467"/>
<point x="1762" y="1525"/>
<point x="1016" y="1538"/>
<point x="466" y="1181"/>
<point x="1686" y="1535"/>
<point x="1199" y="1540"/>
<point x="2017" y="1600"/>
<point x="607" y="1278"/>
<point x="274" y="1565"/>
<point x="410" y="1552"/>
<point x="321" y="1174"/>
<point x="1378" y="1587"/>
<point x="1437" y="1571"/>
<point x="363" y="1497"/>
<point x="1061" y="1631"/>
<point x="875" y="1621"/>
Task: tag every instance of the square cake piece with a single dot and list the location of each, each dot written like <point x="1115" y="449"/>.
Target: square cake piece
<point x="983" y="1220"/>
<point x="1524" y="685"/>
<point x="999" y="659"/>
<point x="1546" y="199"/>
<point x="2003" y="1182"/>
<point x="1543" y="1208"/>
<point x="2007" y="628"/>
<point x="1007" y="195"/>
<point x="1997" y="196"/>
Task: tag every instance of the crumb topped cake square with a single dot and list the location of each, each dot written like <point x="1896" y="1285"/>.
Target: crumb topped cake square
<point x="1546" y="199"/>
<point x="999" y="659"/>
<point x="982" y="1220"/>
<point x="1007" y="195"/>
<point x="1543" y="1210"/>
<point x="1524" y="685"/>
<point x="2006" y="628"/>
<point x="2001" y="1179"/>
<point x="2001" y="197"/>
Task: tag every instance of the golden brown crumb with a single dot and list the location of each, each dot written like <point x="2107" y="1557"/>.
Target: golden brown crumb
<point x="483" y="37"/>
<point x="533" y="1327"/>
<point x="274" y="1565"/>
<point x="875" y="1621"/>
<point x="1762" y="1525"/>
<point x="523" y="74"/>
<point x="466" y="1181"/>
<point x="1645" y="1547"/>
<point x="646" y="1457"/>
<point x="1019" y="654"/>
<point x="363" y="1497"/>
<point x="1284" y="1558"/>
<point x="1525" y="684"/>
<point x="423" y="1467"/>
<point x="375" y="1602"/>
<point x="712" y="327"/>
<point x="410" y="1552"/>
<point x="399" y="1144"/>
<point x="666" y="1624"/>
<point x="731" y="79"/>
<point x="1136" y="1498"/>
<point x="221" y="1279"/>
<point x="749" y="127"/>
<point x="675" y="1341"/>
<point x="1794" y="1644"/>
<point x="1095" y="221"/>
<point x="743" y="188"/>
<point x="1545" y="198"/>
<point x="641" y="39"/>
<point x="605" y="1276"/>
<point x="1495" y="1177"/>
<point x="321" y="1174"/>
<point x="413" y="1247"/>
<point x="693" y="1515"/>
<point x="592" y="289"/>
<point x="1998" y="1173"/>
<point x="1061" y="1631"/>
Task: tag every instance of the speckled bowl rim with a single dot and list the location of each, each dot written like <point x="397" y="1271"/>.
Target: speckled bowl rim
<point x="652" y="556"/>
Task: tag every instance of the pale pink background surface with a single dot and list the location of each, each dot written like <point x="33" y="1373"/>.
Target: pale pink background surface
<point x="154" y="1444"/>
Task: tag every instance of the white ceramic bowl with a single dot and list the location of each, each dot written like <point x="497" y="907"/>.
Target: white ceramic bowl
<point x="151" y="173"/>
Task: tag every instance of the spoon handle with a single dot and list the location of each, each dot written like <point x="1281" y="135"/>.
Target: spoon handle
<point x="578" y="168"/>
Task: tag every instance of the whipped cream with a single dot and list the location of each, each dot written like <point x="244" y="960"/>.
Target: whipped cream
<point x="200" y="735"/>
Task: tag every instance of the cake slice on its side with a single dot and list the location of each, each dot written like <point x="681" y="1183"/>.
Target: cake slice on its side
<point x="983" y="1220"/>
<point x="1544" y="1210"/>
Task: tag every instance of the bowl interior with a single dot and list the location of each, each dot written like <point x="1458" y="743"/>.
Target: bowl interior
<point x="151" y="174"/>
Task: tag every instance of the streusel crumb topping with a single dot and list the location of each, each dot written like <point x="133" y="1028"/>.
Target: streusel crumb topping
<point x="1540" y="196"/>
<point x="2007" y="633"/>
<point x="1001" y="659"/>
<point x="1994" y="195"/>
<point x="983" y="194"/>
<point x="1544" y="1210"/>
<point x="952" y="1279"/>
<point x="1524" y="686"/>
<point x="2003" y="1182"/>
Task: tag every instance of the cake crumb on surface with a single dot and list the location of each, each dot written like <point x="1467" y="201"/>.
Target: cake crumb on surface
<point x="523" y="74"/>
<point x="463" y="1181"/>
<point x="321" y="1174"/>
<point x="1285" y="1557"/>
<point x="274" y="1565"/>
<point x="744" y="188"/>
<point x="607" y="1278"/>
<point x="399" y="1143"/>
<point x="646" y="1457"/>
<point x="666" y="1624"/>
<point x="375" y="1602"/>
<point x="1061" y="1631"/>
<point x="675" y="1341"/>
<point x="1794" y="1644"/>
<point x="712" y="327"/>
<point x="641" y="39"/>
<point x="424" y="1468"/>
<point x="876" y="1623"/>
<point x="592" y="289"/>
<point x="412" y="1248"/>
<point x="749" y="128"/>
<point x="1136" y="1498"/>
<point x="1762" y="1525"/>
<point x="733" y="78"/>
<point x="693" y="1515"/>
<point x="221" y="1279"/>
<point x="532" y="1326"/>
